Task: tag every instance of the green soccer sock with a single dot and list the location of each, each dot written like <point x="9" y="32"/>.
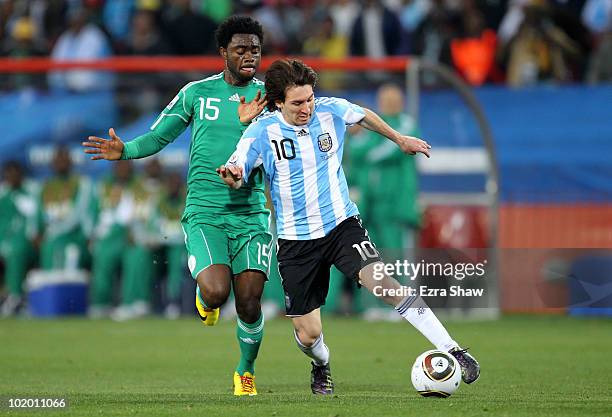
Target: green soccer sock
<point x="249" y="338"/>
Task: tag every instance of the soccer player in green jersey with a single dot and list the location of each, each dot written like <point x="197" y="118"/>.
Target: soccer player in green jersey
<point x="227" y="232"/>
<point x="18" y="229"/>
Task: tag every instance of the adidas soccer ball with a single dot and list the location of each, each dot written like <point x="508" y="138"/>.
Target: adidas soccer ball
<point x="436" y="374"/>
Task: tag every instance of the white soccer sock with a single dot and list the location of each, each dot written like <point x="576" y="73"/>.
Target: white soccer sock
<point x="415" y="310"/>
<point x="318" y="352"/>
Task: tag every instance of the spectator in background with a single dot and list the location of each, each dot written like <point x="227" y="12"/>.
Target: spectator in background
<point x="541" y="50"/>
<point x="412" y="14"/>
<point x="573" y="7"/>
<point x="18" y="229"/>
<point x="82" y="41"/>
<point x="474" y="52"/>
<point x="292" y="15"/>
<point x="22" y="44"/>
<point x="64" y="216"/>
<point x="274" y="28"/>
<point x="170" y="211"/>
<point x="376" y="32"/>
<point x="511" y="21"/>
<point x="7" y="8"/>
<point x="343" y="13"/>
<point x="50" y="17"/>
<point x="145" y="36"/>
<point x="112" y="211"/>
<point x="597" y="16"/>
<point x="327" y="44"/>
<point x="493" y="11"/>
<point x="47" y="18"/>
<point x="394" y="217"/>
<point x="146" y="89"/>
<point x="433" y="37"/>
<point x="190" y="33"/>
<point x="96" y="12"/>
<point x="391" y="217"/>
<point x="21" y="40"/>
<point x="217" y="10"/>
<point x="565" y="15"/>
<point x="139" y="266"/>
<point x="116" y="17"/>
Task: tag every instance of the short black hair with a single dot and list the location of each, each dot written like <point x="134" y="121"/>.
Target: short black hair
<point x="13" y="164"/>
<point x="286" y="73"/>
<point x="237" y="24"/>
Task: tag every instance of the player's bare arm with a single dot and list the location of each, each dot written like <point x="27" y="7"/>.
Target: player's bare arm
<point x="408" y="144"/>
<point x="109" y="149"/>
<point x="248" y="111"/>
<point x="231" y="175"/>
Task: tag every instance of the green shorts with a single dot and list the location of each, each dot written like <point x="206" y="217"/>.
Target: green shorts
<point x="242" y="242"/>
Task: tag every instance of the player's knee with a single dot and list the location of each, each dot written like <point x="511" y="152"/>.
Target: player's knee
<point x="214" y="294"/>
<point x="215" y="285"/>
<point x="307" y="335"/>
<point x="248" y="310"/>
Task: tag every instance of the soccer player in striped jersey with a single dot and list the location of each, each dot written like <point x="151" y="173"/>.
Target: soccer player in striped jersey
<point x="300" y="145"/>
<point x="226" y="233"/>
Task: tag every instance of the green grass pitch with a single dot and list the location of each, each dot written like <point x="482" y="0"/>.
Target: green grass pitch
<point x="531" y="366"/>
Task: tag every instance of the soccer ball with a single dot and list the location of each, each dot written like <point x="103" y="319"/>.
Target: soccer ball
<point x="436" y="374"/>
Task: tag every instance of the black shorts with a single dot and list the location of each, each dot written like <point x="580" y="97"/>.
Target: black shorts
<point x="304" y="264"/>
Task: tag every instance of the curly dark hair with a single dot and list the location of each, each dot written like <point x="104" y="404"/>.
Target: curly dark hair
<point x="14" y="165"/>
<point x="237" y="24"/>
<point x="286" y="73"/>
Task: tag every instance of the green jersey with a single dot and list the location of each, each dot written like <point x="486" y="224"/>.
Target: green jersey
<point x="18" y="208"/>
<point x="169" y="212"/>
<point x="210" y="106"/>
<point x="111" y="207"/>
<point x="386" y="161"/>
<point x="65" y="206"/>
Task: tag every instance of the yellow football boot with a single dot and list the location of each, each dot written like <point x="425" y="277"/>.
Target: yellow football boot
<point x="245" y="384"/>
<point x="209" y="316"/>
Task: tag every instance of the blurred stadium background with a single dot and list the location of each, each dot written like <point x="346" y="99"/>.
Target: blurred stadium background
<point x="514" y="96"/>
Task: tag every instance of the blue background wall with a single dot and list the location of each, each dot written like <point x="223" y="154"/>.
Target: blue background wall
<point x="553" y="144"/>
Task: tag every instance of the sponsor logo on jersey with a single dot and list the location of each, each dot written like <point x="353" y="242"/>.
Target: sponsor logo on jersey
<point x="302" y="133"/>
<point x="173" y="102"/>
<point x="233" y="160"/>
<point x="234" y="97"/>
<point x="325" y="142"/>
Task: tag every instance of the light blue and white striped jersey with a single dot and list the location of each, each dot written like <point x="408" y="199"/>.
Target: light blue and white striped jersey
<point x="303" y="167"/>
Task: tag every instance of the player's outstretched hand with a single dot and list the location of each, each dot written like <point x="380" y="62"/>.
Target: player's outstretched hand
<point x="109" y="149"/>
<point x="412" y="146"/>
<point x="252" y="109"/>
<point x="231" y="175"/>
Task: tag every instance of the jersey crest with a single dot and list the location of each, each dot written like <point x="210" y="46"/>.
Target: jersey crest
<point x="325" y="142"/>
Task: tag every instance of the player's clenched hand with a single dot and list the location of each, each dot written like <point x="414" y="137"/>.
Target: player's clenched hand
<point x="412" y="145"/>
<point x="110" y="149"/>
<point x="231" y="175"/>
<point x="252" y="109"/>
